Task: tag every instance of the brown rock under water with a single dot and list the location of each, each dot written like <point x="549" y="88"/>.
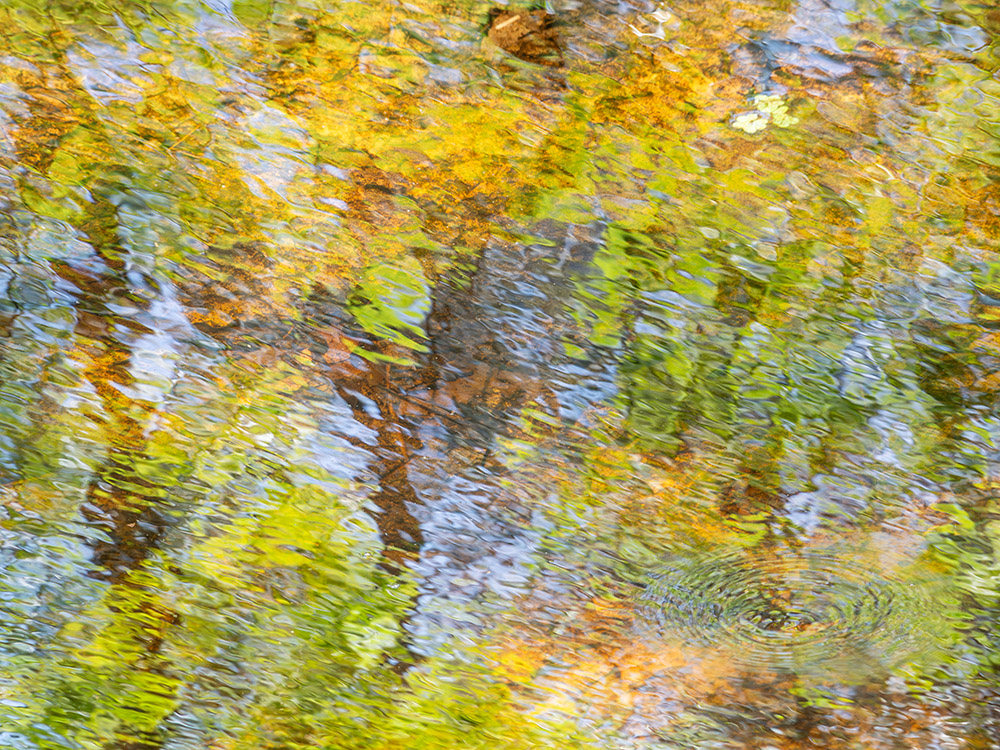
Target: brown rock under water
<point x="527" y="34"/>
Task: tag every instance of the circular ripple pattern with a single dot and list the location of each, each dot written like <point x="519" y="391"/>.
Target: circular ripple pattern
<point x="799" y="612"/>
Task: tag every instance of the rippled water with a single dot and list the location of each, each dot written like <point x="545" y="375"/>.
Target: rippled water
<point x="459" y="375"/>
<point x="828" y="611"/>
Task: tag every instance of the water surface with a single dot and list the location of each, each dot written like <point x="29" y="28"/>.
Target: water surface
<point x="370" y="378"/>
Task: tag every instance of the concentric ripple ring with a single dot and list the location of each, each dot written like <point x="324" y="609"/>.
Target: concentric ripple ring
<point x="796" y="611"/>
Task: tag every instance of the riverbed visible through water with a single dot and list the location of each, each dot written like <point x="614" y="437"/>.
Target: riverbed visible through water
<point x="450" y="375"/>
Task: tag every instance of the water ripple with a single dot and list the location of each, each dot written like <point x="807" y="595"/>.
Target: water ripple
<point x="799" y="611"/>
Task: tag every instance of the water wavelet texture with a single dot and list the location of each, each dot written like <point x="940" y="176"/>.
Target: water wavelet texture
<point x="811" y="611"/>
<point x="453" y="375"/>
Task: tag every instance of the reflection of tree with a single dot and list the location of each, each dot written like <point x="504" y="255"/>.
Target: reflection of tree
<point x="120" y="501"/>
<point x="462" y="385"/>
<point x="363" y="385"/>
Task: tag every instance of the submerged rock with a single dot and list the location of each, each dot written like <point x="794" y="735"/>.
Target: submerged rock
<point x="530" y="35"/>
